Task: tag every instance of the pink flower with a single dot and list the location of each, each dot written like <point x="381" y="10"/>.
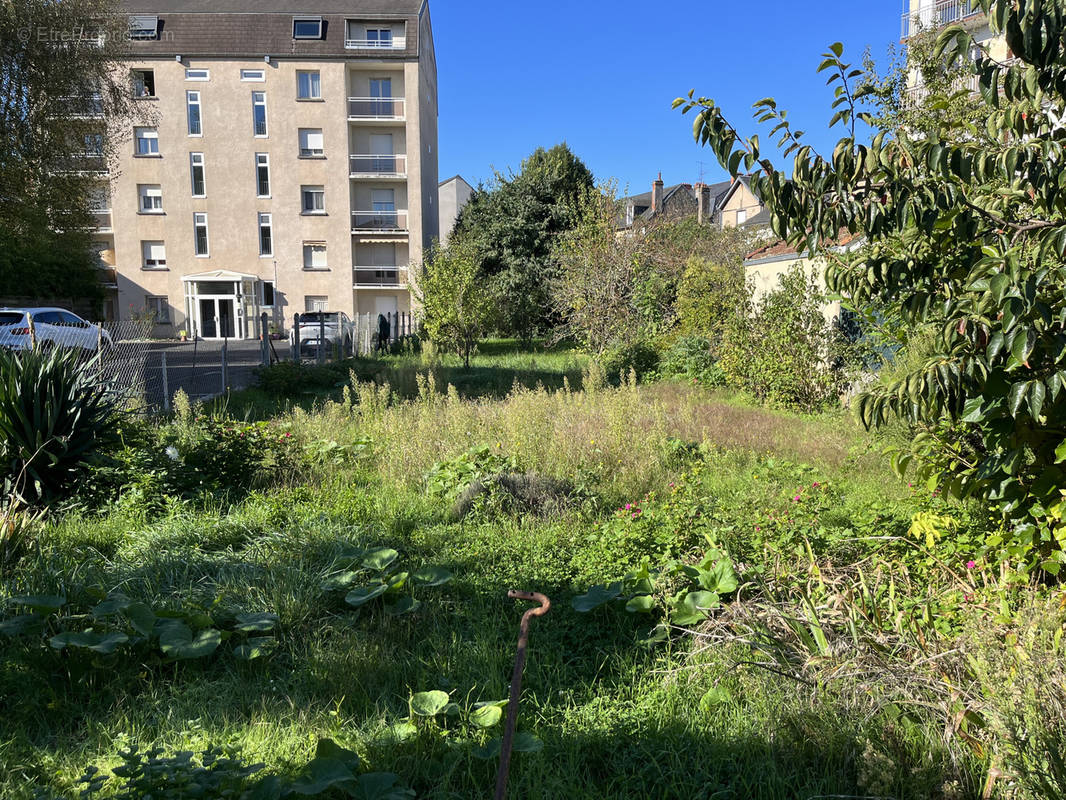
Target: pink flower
<point x="628" y="506"/>
<point x="796" y="499"/>
<point x="758" y="528"/>
<point x="971" y="564"/>
<point x="815" y="484"/>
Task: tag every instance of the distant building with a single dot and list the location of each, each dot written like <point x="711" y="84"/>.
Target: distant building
<point x="454" y="194"/>
<point x="727" y="204"/>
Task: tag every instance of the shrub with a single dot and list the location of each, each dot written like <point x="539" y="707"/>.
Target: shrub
<point x="691" y="358"/>
<point x="290" y="378"/>
<point x="783" y="352"/>
<point x="55" y="419"/>
<point x="516" y="492"/>
<point x="619" y="360"/>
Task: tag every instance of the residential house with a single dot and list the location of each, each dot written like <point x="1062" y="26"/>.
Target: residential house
<point x="285" y="161"/>
<point x="727" y="204"/>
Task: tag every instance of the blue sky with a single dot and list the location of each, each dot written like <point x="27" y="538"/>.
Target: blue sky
<point x="601" y="76"/>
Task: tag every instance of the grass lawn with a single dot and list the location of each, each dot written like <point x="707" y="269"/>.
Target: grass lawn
<point x="617" y="717"/>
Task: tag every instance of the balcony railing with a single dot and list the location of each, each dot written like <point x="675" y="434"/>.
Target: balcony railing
<point x="108" y="277"/>
<point x="379" y="220"/>
<point x="391" y="277"/>
<point x="965" y="83"/>
<point x="103" y="219"/>
<point x="378" y="166"/>
<point x="376" y="108"/>
<point x="395" y="43"/>
<point x="86" y="162"/>
<point x="941" y="12"/>
<point x="84" y="107"/>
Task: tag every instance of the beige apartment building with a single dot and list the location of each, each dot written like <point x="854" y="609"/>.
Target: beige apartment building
<point x="924" y="15"/>
<point x="284" y="160"/>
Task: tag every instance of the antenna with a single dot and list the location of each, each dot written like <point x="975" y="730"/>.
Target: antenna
<point x="701" y="170"/>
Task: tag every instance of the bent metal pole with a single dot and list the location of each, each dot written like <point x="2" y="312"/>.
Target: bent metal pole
<point x="516" y="684"/>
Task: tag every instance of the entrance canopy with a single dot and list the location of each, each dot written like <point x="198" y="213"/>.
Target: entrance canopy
<point x="222" y="304"/>
<point x="220" y="275"/>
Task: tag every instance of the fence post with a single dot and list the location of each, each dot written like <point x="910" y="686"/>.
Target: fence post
<point x="264" y="346"/>
<point x="33" y="331"/>
<point x="225" y="365"/>
<point x="100" y="339"/>
<point x="321" y="337"/>
<point x="296" y="337"/>
<point x="166" y="382"/>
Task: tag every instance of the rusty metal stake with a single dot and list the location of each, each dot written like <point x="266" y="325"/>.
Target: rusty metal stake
<point x="516" y="684"/>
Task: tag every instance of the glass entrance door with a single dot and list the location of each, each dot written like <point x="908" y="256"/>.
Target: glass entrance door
<point x="217" y="317"/>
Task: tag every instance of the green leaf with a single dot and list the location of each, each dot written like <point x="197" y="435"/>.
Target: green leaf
<point x="254" y="648"/>
<point x="486" y="716"/>
<point x="41" y="603"/>
<point x="379" y="558"/>
<point x="341" y="581"/>
<point x="488" y="751"/>
<point x="177" y="641"/>
<point x="714" y="696"/>
<point x="364" y="594"/>
<point x="141" y="617"/>
<point x="402" y="731"/>
<point x="105" y="643"/>
<point x="431" y="576"/>
<point x="641" y="604"/>
<point x="1036" y="395"/>
<point x="111" y="606"/>
<point x="257" y="622"/>
<point x="972" y="411"/>
<point x="405" y="605"/>
<point x="429" y="704"/>
<point x="595" y="597"/>
<point x="23" y="623"/>
<point x="525" y="742"/>
<point x="381" y="786"/>
<point x="1016" y="398"/>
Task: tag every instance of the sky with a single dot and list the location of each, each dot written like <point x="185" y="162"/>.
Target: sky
<point x="601" y="76"/>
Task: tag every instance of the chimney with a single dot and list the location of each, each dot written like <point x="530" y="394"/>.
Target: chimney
<point x="657" y="195"/>
<point x="704" y="212"/>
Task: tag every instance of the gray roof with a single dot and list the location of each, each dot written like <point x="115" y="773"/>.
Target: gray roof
<point x="393" y="8"/>
<point x="256" y="28"/>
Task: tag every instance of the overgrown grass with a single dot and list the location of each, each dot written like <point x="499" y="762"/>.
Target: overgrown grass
<point x="618" y="719"/>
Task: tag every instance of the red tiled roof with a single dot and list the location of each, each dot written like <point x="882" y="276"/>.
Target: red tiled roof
<point x="780" y="247"/>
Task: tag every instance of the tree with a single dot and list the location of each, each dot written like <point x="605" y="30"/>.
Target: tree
<point x="457" y="311"/>
<point x="513" y="226"/>
<point x="966" y="232"/>
<point x="59" y="86"/>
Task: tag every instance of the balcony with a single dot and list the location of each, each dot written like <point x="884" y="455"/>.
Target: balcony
<point x="103" y="220"/>
<point x="917" y="93"/>
<point x="941" y="12"/>
<point x="378" y="166"/>
<point x="379" y="221"/>
<point x="108" y="277"/>
<point x="86" y="163"/>
<point x="395" y="43"/>
<point x="380" y="277"/>
<point x="376" y="108"/>
<point x="81" y="107"/>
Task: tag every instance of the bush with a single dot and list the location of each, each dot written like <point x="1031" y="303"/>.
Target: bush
<point x="619" y="360"/>
<point x="692" y="358"/>
<point x="783" y="352"/>
<point x="290" y="378"/>
<point x="55" y="419"/>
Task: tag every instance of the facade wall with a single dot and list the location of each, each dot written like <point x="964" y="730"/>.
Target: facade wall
<point x="741" y="200"/>
<point x="229" y="147"/>
<point x="765" y="276"/>
<point x="454" y="195"/>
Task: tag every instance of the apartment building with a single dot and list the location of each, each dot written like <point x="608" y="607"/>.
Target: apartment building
<point x="284" y="160"/>
<point x="924" y="15"/>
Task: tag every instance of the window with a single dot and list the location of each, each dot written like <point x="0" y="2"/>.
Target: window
<point x="379" y="37"/>
<point x="308" y="85"/>
<point x="151" y="198"/>
<point x="314" y="199"/>
<point x="154" y="255"/>
<point x="314" y="255"/>
<point x="262" y="175"/>
<point x="253" y="75"/>
<point x="199" y="224"/>
<point x="93" y="144"/>
<point x="143" y="81"/>
<point x="742" y="216"/>
<point x="196" y="168"/>
<point x="307" y="27"/>
<point x="196" y="127"/>
<point x="315" y="303"/>
<point x="144" y="26"/>
<point x="147" y="140"/>
<point x="197" y="74"/>
<point x="259" y="113"/>
<point x="159" y="307"/>
<point x="266" y="236"/>
<point x="311" y="143"/>
<point x="267" y="300"/>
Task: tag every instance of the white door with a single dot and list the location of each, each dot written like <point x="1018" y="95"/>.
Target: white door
<point x="385" y="305"/>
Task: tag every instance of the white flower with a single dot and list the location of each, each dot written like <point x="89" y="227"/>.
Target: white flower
<point x="172" y="453"/>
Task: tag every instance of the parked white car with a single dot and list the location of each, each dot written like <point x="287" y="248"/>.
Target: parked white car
<point x="336" y="326"/>
<point x="55" y="327"/>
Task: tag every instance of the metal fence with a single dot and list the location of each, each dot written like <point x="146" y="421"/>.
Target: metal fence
<point x="145" y="373"/>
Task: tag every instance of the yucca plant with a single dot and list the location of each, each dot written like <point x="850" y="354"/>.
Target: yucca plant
<point x="55" y="417"/>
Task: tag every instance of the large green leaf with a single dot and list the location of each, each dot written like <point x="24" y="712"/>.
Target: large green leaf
<point x="431" y="576"/>
<point x="105" y="643"/>
<point x="258" y="622"/>
<point x="379" y="558"/>
<point x="364" y="594"/>
<point x="405" y="605"/>
<point x="595" y="597"/>
<point x="177" y="640"/>
<point x="429" y="704"/>
<point x="23" y="623"/>
<point x="485" y="716"/>
<point x="640" y="604"/>
<point x="141" y="617"/>
<point x="341" y="580"/>
<point x="41" y="603"/>
<point x="256" y="647"/>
